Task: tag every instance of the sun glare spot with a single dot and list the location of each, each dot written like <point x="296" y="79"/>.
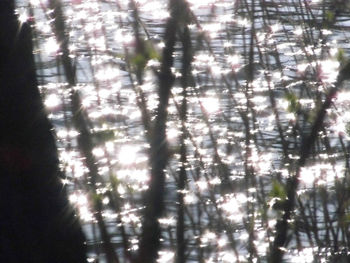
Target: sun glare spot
<point x="167" y="221"/>
<point x="222" y="242"/>
<point x="128" y="154"/>
<point x="275" y="28"/>
<point x="52" y="101"/>
<point x="172" y="133"/>
<point x="328" y="70"/>
<point x="306" y="255"/>
<point x="98" y="152"/>
<point x="202" y="185"/>
<point x="235" y="61"/>
<point x="23" y="17"/>
<point x="226" y="18"/>
<point x="244" y="22"/>
<point x="228" y="257"/>
<point x="108" y="73"/>
<point x="190" y="198"/>
<point x="298" y="31"/>
<point x="51" y="46"/>
<point x="123" y="37"/>
<point x="212" y="29"/>
<point x="85" y="214"/>
<point x="35" y="2"/>
<point x="199" y="3"/>
<point x="208" y="237"/>
<point x="165" y="256"/>
<point x="211" y="105"/>
<point x="232" y="203"/>
<point x="302" y="67"/>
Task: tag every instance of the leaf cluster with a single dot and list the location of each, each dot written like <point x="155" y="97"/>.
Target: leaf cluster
<point x="140" y="59"/>
<point x="294" y="105"/>
<point x="278" y="194"/>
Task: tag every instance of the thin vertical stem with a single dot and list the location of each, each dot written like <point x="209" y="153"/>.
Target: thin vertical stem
<point x="80" y="122"/>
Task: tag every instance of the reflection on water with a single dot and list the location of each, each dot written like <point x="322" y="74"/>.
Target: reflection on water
<point x="260" y="73"/>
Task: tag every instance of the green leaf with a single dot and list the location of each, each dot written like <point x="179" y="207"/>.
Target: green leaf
<point x="139" y="60"/>
<point x="278" y="195"/>
<point x="114" y="181"/>
<point x="330" y="16"/>
<point x="151" y="52"/>
<point x="293" y="102"/>
<point x="96" y="198"/>
<point x="341" y="57"/>
<point x="278" y="190"/>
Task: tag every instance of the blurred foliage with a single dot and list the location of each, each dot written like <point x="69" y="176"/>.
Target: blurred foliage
<point x="330" y="17"/>
<point x="294" y="105"/>
<point x="140" y="60"/>
<point x="101" y="137"/>
<point x="278" y="190"/>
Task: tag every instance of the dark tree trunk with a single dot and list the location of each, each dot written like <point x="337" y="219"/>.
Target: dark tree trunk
<point x="36" y="222"/>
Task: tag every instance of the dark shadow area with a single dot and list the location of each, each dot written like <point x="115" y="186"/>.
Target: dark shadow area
<point x="36" y="222"/>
